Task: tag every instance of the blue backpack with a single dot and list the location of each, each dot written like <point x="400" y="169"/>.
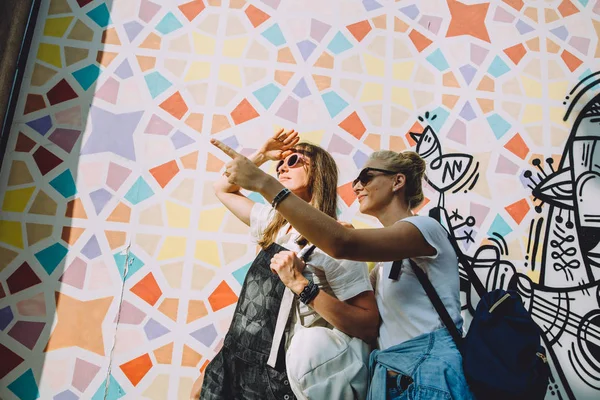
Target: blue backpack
<point x="502" y="353"/>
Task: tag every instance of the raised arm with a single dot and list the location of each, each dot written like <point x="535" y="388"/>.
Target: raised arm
<point x="275" y="148"/>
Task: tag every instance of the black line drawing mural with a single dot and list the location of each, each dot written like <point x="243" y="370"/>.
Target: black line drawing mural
<point x="565" y="238"/>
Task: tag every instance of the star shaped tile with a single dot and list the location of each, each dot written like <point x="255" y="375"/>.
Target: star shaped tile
<point x="79" y="324"/>
<point x="112" y="133"/>
<point x="468" y="20"/>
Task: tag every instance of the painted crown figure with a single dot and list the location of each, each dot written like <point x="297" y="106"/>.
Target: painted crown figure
<point x="561" y="284"/>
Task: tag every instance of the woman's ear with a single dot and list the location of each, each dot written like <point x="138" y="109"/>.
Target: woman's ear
<point x="399" y="182"/>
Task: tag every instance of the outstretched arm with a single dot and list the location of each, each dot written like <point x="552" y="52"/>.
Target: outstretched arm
<point x="396" y="242"/>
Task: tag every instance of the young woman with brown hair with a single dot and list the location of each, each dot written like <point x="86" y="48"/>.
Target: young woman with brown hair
<point x="273" y="351"/>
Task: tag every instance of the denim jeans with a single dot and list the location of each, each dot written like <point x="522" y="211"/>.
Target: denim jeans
<point x="240" y="370"/>
<point x="428" y="367"/>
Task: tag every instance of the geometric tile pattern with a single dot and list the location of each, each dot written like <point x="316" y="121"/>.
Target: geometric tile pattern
<point x="118" y="265"/>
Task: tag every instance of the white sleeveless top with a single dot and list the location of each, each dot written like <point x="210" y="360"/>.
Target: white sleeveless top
<point x="406" y="311"/>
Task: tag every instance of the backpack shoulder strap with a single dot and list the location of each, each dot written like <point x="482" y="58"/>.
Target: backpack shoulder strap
<point x="435" y="300"/>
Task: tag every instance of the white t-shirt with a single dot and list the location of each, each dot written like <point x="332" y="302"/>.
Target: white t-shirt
<point x="406" y="311"/>
<point x="342" y="279"/>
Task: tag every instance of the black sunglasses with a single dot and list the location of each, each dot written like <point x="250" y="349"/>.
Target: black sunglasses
<point x="292" y="160"/>
<point x="365" y="177"/>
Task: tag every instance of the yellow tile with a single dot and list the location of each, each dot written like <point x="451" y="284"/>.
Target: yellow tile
<point x="57" y="27"/>
<point x="403" y="70"/>
<point x="401" y="96"/>
<point x="50" y="53"/>
<point x="532" y="87"/>
<point x="234" y="48"/>
<point x="17" y="200"/>
<point x="208" y="252"/>
<point x="173" y="247"/>
<point x="11" y="233"/>
<point x="203" y="44"/>
<point x="230" y="74"/>
<point x="375" y="66"/>
<point x="211" y="220"/>
<point x="558" y="90"/>
<point x="532" y="113"/>
<point x="198" y="71"/>
<point x="372" y="92"/>
<point x="177" y="216"/>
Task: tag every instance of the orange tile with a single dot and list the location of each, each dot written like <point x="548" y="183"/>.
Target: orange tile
<point x="147" y="289"/>
<point x="397" y="144"/>
<point x="110" y="36"/>
<point x="219" y="123"/>
<point x="323" y="82"/>
<point x="283" y="77"/>
<point x="353" y="125"/>
<point x="71" y="234"/>
<point x="243" y="112"/>
<point x="256" y="16"/>
<point x="449" y="80"/>
<point x="517" y="146"/>
<point x="516" y="4"/>
<point x="121" y="213"/>
<point x="347" y="194"/>
<point x="169" y="307"/>
<point x="75" y="209"/>
<point x="237" y="4"/>
<point x="567" y="8"/>
<point x="196" y="310"/>
<point x="532" y="13"/>
<point x="192" y="9"/>
<point x="190" y="357"/>
<point x="165" y="172"/>
<point x="325" y="61"/>
<point x="153" y="41"/>
<point x="194" y="121"/>
<point x="551" y="46"/>
<point x="222" y="297"/>
<point x="146" y="62"/>
<point x="190" y="161"/>
<point x="380" y="22"/>
<point x="213" y="164"/>
<point x="399" y="25"/>
<point x="164" y="354"/>
<point x="486" y="84"/>
<point x="533" y="44"/>
<point x="518" y="210"/>
<point x="360" y="29"/>
<point x="419" y="40"/>
<point x="285" y="56"/>
<point x="136" y="369"/>
<point x="115" y="238"/>
<point x="570" y="60"/>
<point x="175" y="105"/>
<point x="487" y="105"/>
<point x="449" y="100"/>
<point x="373" y="141"/>
<point x="516" y="53"/>
<point x="104" y="58"/>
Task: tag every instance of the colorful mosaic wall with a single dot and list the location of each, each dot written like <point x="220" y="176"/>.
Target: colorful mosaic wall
<point x="119" y="268"/>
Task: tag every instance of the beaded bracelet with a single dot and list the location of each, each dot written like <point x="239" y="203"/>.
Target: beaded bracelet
<point x="309" y="292"/>
<point x="280" y="196"/>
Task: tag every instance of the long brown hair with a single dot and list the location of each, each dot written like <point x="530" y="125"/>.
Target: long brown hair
<point x="322" y="186"/>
